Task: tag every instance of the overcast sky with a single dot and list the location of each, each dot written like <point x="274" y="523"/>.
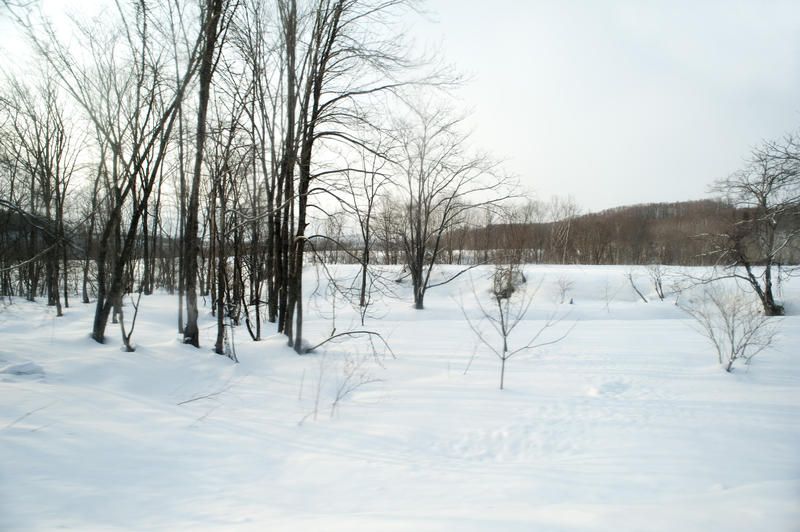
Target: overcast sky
<point x="622" y="102"/>
<point x="619" y="102"/>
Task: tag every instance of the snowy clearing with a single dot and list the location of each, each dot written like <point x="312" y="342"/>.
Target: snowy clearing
<point x="629" y="423"/>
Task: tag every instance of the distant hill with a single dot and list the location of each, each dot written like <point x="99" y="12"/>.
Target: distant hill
<point x="665" y="233"/>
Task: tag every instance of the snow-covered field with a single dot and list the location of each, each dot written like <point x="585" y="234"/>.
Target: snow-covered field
<point x="628" y="424"/>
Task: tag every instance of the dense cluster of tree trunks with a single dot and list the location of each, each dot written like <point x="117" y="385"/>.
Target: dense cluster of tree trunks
<point x="204" y="122"/>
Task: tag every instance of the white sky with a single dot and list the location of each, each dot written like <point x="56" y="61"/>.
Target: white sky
<point x="622" y="102"/>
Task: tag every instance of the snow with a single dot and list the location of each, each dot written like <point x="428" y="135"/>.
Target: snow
<point x="26" y="368"/>
<point x="628" y="424"/>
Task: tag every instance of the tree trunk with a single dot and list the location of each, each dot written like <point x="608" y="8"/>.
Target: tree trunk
<point x="284" y="249"/>
<point x="771" y="308"/>
<point x="218" y="234"/>
<point x="191" y="333"/>
<point x="364" y="265"/>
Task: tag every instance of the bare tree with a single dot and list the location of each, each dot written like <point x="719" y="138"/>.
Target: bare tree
<point x="439" y="180"/>
<point x="767" y="224"/>
<point x="511" y="301"/>
<point x="213" y="26"/>
<point x="657" y="274"/>
<point x="731" y="321"/>
<point x="363" y="184"/>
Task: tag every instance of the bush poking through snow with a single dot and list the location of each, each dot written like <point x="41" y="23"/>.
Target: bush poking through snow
<point x="506" y="280"/>
<point x="734" y="324"/>
<point x="658" y="273"/>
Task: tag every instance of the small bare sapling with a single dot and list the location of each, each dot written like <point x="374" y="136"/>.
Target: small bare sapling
<point x="635" y="288"/>
<point x="565" y="285"/>
<point x="510" y="301"/>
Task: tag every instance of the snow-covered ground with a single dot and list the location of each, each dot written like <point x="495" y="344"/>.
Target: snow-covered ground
<point x="628" y="424"/>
